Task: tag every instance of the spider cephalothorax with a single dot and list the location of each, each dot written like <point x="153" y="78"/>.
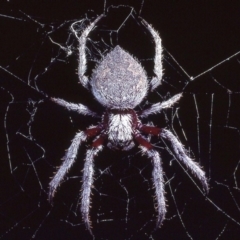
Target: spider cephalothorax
<point x="120" y="83"/>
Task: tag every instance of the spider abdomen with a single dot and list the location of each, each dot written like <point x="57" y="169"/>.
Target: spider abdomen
<point x="119" y="81"/>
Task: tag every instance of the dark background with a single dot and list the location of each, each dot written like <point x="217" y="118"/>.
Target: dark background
<point x="35" y="132"/>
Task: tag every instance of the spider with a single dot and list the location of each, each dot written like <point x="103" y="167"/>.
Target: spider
<point x="120" y="83"/>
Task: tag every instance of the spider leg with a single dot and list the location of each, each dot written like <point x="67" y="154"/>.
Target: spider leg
<point x="157" y="175"/>
<point x="82" y="54"/>
<point x="157" y="107"/>
<point x="181" y="154"/>
<point x="156" y="81"/>
<point x="158" y="183"/>
<point x="69" y="159"/>
<point x="87" y="180"/>
<point x="79" y="108"/>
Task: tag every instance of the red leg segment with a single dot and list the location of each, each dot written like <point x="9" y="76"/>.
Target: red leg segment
<point x="143" y="142"/>
<point x="99" y="141"/>
<point x="150" y="130"/>
<point x="92" y="132"/>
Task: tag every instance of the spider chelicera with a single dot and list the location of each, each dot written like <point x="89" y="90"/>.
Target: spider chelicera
<point x="120" y="83"/>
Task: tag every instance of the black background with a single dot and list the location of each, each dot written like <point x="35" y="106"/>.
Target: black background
<point x="198" y="34"/>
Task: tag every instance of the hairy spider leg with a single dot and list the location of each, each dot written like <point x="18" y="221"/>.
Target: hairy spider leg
<point x="157" y="175"/>
<point x="158" y="183"/>
<point x="75" y="107"/>
<point x="155" y="81"/>
<point x="157" y="107"/>
<point x="70" y="157"/>
<point x="180" y="152"/>
<point x="82" y="54"/>
<point x="87" y="180"/>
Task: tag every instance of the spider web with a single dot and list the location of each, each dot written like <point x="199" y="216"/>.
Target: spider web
<point x="39" y="58"/>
